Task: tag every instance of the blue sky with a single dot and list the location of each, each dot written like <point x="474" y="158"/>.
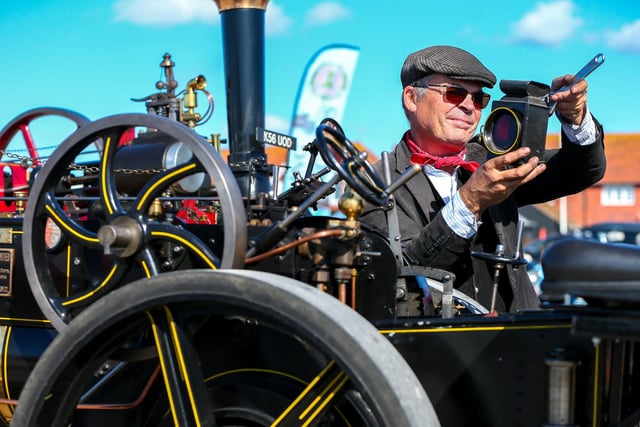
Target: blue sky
<point x="94" y="56"/>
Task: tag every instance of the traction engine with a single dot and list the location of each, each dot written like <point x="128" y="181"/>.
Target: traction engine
<point x="145" y="280"/>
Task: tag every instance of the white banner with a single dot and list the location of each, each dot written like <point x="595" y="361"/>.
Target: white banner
<point x="323" y="93"/>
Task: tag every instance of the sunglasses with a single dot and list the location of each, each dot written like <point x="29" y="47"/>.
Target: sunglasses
<point x="456" y="94"/>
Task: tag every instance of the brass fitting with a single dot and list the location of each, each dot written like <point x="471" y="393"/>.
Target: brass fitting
<point x="240" y="4"/>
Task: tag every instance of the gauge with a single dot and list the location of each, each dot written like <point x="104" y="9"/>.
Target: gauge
<point x="6" y="235"/>
<point x="53" y="236"/>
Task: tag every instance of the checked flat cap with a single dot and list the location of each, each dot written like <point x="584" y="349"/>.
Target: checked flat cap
<point x="448" y="60"/>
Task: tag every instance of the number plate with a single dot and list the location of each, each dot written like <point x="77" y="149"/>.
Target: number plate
<point x="274" y="138"/>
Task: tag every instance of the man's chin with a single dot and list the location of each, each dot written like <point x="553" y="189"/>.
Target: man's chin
<point x="459" y="139"/>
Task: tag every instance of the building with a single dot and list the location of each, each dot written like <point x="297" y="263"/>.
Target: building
<point x="613" y="199"/>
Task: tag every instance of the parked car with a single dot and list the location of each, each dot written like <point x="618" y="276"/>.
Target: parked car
<point x="533" y="253"/>
<point x="614" y="232"/>
<point x="533" y="250"/>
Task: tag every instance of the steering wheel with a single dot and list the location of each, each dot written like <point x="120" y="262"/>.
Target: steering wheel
<point x="351" y="164"/>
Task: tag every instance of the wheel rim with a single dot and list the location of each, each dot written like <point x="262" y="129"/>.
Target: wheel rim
<point x="22" y="122"/>
<point x="349" y="375"/>
<point x="81" y="272"/>
<point x="19" y="167"/>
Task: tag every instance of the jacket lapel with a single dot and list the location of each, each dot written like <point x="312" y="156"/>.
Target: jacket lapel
<point x="419" y="186"/>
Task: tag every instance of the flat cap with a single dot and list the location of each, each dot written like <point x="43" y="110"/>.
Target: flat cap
<point x="448" y="60"/>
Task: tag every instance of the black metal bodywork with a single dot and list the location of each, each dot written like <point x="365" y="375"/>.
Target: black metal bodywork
<point x="476" y="369"/>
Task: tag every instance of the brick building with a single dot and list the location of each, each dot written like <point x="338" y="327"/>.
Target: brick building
<point x="614" y="199"/>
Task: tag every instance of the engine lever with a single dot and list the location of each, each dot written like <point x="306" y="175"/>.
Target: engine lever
<point x="408" y="173"/>
<point x="393" y="223"/>
<point x="580" y="75"/>
<point x="300" y="182"/>
<point x="312" y="148"/>
<point x="312" y="200"/>
<point x="268" y="238"/>
<point x="500" y="260"/>
<point x="322" y="172"/>
<point x="518" y="251"/>
<point x="386" y="168"/>
<point x="395" y="239"/>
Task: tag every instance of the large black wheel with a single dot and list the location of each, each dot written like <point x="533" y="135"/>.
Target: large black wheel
<point x="234" y="348"/>
<point x="97" y="219"/>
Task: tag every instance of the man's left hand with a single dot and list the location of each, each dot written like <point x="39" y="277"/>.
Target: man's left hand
<point x="571" y="103"/>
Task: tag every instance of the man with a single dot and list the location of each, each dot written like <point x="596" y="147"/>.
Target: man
<point x="455" y="208"/>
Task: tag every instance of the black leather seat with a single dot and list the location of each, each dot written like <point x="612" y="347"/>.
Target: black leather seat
<point x="601" y="273"/>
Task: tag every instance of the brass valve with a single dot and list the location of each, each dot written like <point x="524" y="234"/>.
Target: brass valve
<point x="20" y="202"/>
<point x="190" y="100"/>
<point x="351" y="205"/>
<point x="198" y="83"/>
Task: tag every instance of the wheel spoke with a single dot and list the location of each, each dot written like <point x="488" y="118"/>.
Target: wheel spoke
<point x="111" y="279"/>
<point x="159" y="183"/>
<point x="315" y="400"/>
<point x="28" y="139"/>
<point x="118" y="220"/>
<point x="21" y="124"/>
<point x="185" y="238"/>
<point x="183" y="377"/>
<point x="75" y="232"/>
<point x="108" y="192"/>
<point x="264" y="368"/>
<point x="149" y="263"/>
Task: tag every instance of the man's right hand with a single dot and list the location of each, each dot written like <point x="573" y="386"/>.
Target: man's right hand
<point x="493" y="182"/>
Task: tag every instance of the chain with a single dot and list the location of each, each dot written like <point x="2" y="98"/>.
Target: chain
<point x="254" y="162"/>
<point x="25" y="161"/>
<point x="95" y="169"/>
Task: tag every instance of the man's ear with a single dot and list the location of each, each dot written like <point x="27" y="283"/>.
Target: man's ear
<point x="409" y="98"/>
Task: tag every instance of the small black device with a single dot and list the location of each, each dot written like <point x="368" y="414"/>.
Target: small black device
<point x="520" y="118"/>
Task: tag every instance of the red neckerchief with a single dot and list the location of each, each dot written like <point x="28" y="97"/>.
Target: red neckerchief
<point x="421" y="157"/>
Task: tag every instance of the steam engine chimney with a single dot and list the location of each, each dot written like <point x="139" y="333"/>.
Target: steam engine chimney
<point x="243" y="49"/>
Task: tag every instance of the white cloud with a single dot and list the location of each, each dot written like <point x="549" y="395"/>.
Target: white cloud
<point x="276" y="20"/>
<point x="276" y="123"/>
<point x="626" y="38"/>
<point x="548" y="24"/>
<point x="175" y="12"/>
<point x="326" y="13"/>
<point x="165" y="12"/>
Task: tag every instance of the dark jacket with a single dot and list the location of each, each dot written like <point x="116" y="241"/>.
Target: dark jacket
<point x="428" y="240"/>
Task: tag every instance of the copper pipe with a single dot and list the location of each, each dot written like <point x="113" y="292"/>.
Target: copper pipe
<point x="122" y="406"/>
<point x="354" y="275"/>
<point x="284" y="248"/>
<point x="342" y="292"/>
<point x="106" y="406"/>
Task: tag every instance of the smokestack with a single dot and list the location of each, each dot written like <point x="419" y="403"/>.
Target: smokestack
<point x="242" y="24"/>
